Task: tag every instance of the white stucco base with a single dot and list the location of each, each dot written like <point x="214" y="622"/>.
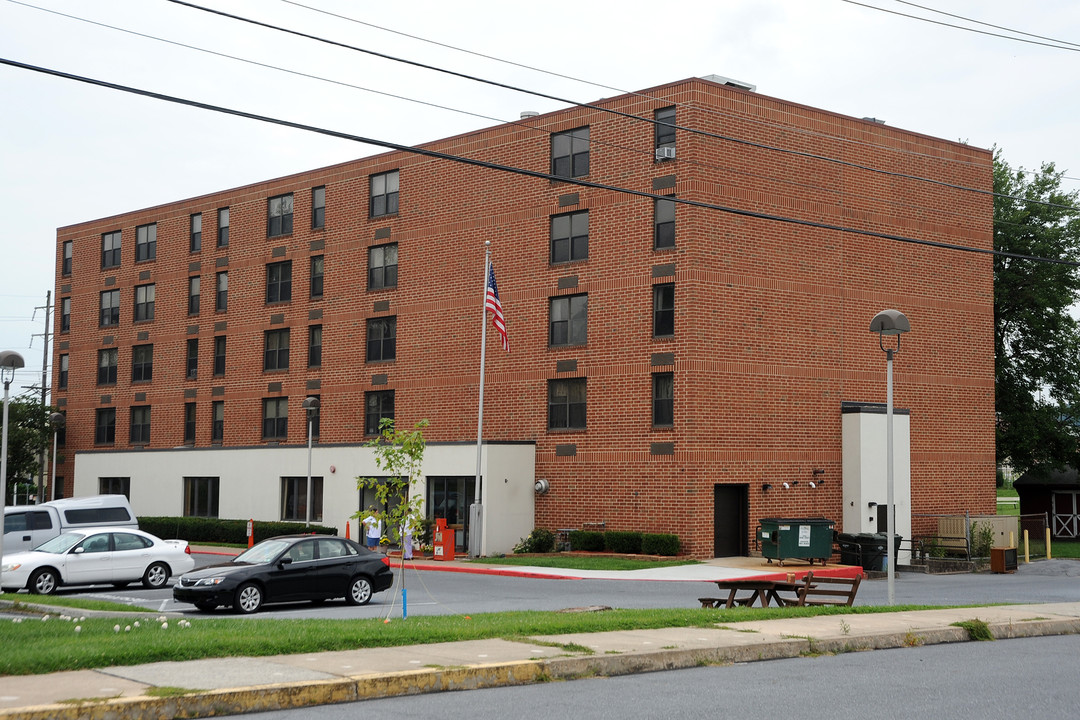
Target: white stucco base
<point x="250" y="480"/>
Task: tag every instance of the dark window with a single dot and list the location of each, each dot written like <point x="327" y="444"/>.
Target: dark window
<point x="294" y="499"/>
<point x="314" y="346"/>
<point x="221" y="301"/>
<point x="192" y="358"/>
<point x="279" y="215"/>
<point x="663" y="399"/>
<point x="570" y="237"/>
<point x="63" y="380"/>
<point x="146" y="242"/>
<point x="105" y="426"/>
<point x="142" y="363"/>
<point x="223" y="227"/>
<point x="144" y="302"/>
<point x="566" y="404"/>
<point x="194" y="292"/>
<point x="382" y="267"/>
<point x="65" y="260"/>
<point x="196" y="232"/>
<point x="110" y="249"/>
<point x="110" y="308"/>
<point x="377" y="406"/>
<point x="569" y="320"/>
<point x="381" y="339"/>
<point x="663" y="224"/>
<point x="115" y="486"/>
<point x="276" y="350"/>
<point x="570" y="153"/>
<point x="201" y="497"/>
<point x="664" y="310"/>
<point x="219" y="355"/>
<point x="316" y="276"/>
<point x="140" y="424"/>
<point x="65" y="314"/>
<point x="318" y="207"/>
<point x="107" y="366"/>
<point x="275" y="418"/>
<point x="217" y="428"/>
<point x="189" y="422"/>
<point x="279" y="281"/>
<point x="664" y="133"/>
<point x="384" y="194"/>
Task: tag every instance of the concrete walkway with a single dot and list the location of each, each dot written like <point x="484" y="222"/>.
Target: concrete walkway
<point x="223" y="686"/>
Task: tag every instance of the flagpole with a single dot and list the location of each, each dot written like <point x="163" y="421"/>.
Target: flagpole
<point x="483" y="359"/>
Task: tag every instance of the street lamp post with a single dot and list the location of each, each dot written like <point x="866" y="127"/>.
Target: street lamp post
<point x="10" y="361"/>
<point x="56" y="421"/>
<point x="890" y="322"/>
<point x="311" y="405"/>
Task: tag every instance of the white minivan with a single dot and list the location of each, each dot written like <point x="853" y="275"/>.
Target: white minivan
<point x="27" y="526"/>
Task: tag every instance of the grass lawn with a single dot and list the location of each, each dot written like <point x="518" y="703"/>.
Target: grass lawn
<point x="33" y="645"/>
<point x="582" y="562"/>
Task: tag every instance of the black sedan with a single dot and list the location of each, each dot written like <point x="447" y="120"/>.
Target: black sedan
<point x="287" y="569"/>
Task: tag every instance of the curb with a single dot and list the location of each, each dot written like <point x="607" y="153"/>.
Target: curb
<point x="414" y="682"/>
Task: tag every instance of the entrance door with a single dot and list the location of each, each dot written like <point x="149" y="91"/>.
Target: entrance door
<point x="731" y="518"/>
<point x="450" y="497"/>
<point x="1065" y="511"/>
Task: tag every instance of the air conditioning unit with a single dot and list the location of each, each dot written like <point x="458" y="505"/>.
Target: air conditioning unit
<point x="665" y="153"/>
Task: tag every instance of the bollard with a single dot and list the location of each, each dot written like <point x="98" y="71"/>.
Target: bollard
<point x="1027" y="553"/>
<point x="347" y="530"/>
<point x="1048" y="557"/>
<point x="251" y="532"/>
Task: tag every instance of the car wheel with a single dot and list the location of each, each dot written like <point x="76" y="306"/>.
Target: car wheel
<point x="205" y="606"/>
<point x="156" y="576"/>
<point x="44" y="582"/>
<point x="359" y="591"/>
<point x="249" y="598"/>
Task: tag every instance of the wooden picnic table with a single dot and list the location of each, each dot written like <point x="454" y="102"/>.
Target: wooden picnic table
<point x="760" y="591"/>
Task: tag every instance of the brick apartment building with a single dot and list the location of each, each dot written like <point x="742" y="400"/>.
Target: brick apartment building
<point x="673" y="367"/>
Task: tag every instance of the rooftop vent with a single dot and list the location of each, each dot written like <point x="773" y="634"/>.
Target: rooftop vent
<point x="526" y="114"/>
<point x="874" y="120"/>
<point x="731" y="82"/>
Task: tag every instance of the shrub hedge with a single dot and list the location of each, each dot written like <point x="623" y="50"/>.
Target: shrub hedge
<point x="586" y="540"/>
<point x="217" y="530"/>
<point x="621" y="541"/>
<point x="659" y="544"/>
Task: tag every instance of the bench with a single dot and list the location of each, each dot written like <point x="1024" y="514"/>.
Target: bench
<point x="822" y="590"/>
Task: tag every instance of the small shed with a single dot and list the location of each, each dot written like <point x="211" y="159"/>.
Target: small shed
<point x="1055" y="493"/>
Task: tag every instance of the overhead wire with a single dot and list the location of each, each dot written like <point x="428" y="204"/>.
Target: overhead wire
<point x="520" y="123"/>
<point x="494" y="83"/>
<point x="980" y="22"/>
<point x="427" y="152"/>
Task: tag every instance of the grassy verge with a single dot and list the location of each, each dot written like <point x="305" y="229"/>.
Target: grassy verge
<point x="34" y="646"/>
<point x="583" y="562"/>
<point x="63" y="603"/>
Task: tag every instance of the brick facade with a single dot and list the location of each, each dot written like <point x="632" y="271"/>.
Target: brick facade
<point x="771" y="319"/>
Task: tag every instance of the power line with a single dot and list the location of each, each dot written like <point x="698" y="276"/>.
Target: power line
<point x="425" y="152"/>
<point x="961" y="27"/>
<point x="716" y="136"/>
<point x="519" y="123"/>
<point x="980" y="22"/>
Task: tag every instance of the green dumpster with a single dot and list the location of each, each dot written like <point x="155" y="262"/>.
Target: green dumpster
<point x="801" y="538"/>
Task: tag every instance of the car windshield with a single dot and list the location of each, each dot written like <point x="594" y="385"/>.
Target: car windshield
<point x="61" y="543"/>
<point x="264" y="552"/>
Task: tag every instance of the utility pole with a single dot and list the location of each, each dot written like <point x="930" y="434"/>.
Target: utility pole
<point x="41" y="497"/>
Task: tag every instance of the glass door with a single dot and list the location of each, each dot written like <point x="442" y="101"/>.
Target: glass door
<point x="450" y="497"/>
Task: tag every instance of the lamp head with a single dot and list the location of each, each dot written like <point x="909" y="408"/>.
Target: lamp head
<point x="310" y="403"/>
<point x="10" y="361"/>
<point x="57" y="420"/>
<point x="890" y="322"/>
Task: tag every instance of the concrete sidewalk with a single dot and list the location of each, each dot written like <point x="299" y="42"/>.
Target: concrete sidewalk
<point x="236" y="685"/>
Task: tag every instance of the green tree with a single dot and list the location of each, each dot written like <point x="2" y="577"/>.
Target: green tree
<point x="399" y="454"/>
<point x="1037" y="340"/>
<point x="28" y="432"/>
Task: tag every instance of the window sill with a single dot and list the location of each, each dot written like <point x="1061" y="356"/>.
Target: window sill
<point x="275" y="371"/>
<point x="276" y="303"/>
<point x="567" y="431"/>
<point x="385" y="216"/>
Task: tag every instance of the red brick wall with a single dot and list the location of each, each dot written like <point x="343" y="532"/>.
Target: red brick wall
<point x="772" y="319"/>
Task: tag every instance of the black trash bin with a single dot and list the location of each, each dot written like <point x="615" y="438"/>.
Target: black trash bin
<point x="868" y="550"/>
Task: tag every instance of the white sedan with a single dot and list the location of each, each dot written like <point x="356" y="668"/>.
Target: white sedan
<point x="117" y="556"/>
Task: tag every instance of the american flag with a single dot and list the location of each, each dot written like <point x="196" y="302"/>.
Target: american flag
<point x="492" y="303"/>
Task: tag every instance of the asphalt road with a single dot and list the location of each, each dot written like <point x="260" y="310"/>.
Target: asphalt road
<point x="448" y="593"/>
<point x="1025" y="678"/>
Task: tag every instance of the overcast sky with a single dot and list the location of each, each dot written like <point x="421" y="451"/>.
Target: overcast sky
<point x="71" y="152"/>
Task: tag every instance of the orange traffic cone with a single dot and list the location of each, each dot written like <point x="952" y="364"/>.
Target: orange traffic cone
<point x="347" y="530"/>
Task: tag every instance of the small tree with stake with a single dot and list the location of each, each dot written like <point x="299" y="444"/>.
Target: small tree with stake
<point x="399" y="454"/>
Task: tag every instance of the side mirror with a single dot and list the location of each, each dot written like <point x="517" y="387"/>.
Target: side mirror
<point x="285" y="561"/>
<point x="79" y="550"/>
